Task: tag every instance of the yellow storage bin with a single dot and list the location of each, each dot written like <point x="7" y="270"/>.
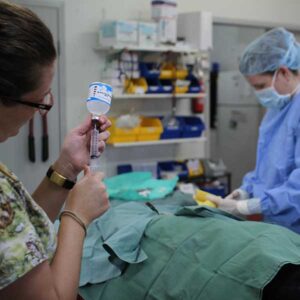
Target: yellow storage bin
<point x="150" y="129"/>
<point x="181" y="73"/>
<point x="167" y="71"/>
<point x="122" y="135"/>
<point x="181" y="89"/>
<point x="136" y="86"/>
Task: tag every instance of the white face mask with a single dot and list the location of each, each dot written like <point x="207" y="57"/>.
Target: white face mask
<point x="270" y="98"/>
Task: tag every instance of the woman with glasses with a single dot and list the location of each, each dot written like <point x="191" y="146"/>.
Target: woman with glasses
<point x="34" y="262"/>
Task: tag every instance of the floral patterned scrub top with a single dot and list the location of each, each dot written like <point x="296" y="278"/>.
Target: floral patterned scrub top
<point x="27" y="236"/>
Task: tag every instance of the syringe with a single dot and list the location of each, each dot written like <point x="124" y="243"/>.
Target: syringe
<point x="98" y="103"/>
<point x="94" y="151"/>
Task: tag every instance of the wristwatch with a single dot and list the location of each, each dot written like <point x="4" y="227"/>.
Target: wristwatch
<point x="59" y="179"/>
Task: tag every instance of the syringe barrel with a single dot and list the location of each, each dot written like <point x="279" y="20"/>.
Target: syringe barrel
<point x="95" y="165"/>
<point x="94" y="152"/>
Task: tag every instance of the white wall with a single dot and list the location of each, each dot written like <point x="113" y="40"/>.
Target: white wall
<point x="83" y="64"/>
<point x="285" y="11"/>
<point x="82" y="19"/>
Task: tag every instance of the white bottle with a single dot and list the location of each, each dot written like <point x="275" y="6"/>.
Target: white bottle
<point x="99" y="100"/>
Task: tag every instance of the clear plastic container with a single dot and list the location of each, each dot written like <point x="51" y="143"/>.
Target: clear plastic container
<point x="99" y="100"/>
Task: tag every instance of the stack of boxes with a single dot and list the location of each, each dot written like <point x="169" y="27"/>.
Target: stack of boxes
<point x="128" y="33"/>
<point x="118" y="33"/>
<point x="147" y="34"/>
<point x="165" y="14"/>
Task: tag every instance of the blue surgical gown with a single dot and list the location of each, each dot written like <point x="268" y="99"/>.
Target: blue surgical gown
<point x="276" y="177"/>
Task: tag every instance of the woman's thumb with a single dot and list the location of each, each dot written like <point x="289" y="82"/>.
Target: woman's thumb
<point x="86" y="170"/>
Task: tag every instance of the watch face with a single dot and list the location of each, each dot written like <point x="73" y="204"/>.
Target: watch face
<point x="59" y="180"/>
<point x="56" y="178"/>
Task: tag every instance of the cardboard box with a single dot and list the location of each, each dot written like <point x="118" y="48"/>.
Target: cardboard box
<point x="113" y="33"/>
<point x="147" y="34"/>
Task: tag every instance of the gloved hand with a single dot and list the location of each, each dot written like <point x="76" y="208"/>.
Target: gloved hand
<point x="238" y="208"/>
<point x="238" y="194"/>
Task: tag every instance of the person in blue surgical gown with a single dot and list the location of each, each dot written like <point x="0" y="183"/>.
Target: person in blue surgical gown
<point x="271" y="65"/>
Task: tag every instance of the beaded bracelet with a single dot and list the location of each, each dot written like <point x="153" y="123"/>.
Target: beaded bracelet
<point x="74" y="217"/>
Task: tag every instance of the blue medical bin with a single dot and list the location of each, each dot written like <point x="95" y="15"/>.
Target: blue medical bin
<point x="154" y="86"/>
<point x="178" y="168"/>
<point x="192" y="127"/>
<point x="167" y="86"/>
<point x="171" y="132"/>
<point x="149" y="70"/>
<point x="194" y="86"/>
<point x="121" y="169"/>
<point x="216" y="190"/>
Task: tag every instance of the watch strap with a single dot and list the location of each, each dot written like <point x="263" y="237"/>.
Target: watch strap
<point x="59" y="179"/>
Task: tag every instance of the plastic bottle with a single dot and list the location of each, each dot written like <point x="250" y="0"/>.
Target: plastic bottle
<point x="98" y="103"/>
<point x="99" y="100"/>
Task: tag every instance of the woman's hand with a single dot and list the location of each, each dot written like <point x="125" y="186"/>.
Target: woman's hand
<point x="88" y="199"/>
<point x="75" y="151"/>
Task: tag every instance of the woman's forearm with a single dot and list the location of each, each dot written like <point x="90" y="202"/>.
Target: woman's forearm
<point x="50" y="197"/>
<point x="65" y="265"/>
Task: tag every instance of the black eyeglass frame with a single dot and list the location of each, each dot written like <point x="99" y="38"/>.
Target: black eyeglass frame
<point x="43" y="108"/>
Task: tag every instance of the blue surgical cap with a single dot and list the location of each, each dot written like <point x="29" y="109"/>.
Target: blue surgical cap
<point x="273" y="49"/>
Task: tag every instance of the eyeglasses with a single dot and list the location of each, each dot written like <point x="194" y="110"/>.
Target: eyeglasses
<point x="43" y="107"/>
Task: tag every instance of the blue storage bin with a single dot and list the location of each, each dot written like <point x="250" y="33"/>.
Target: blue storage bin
<point x="124" y="169"/>
<point x="154" y="86"/>
<point x="216" y="190"/>
<point x="192" y="127"/>
<point x="168" y="169"/>
<point x="170" y="132"/>
<point x="149" y="70"/>
<point x="194" y="86"/>
<point x="167" y="86"/>
<point x="138" y="167"/>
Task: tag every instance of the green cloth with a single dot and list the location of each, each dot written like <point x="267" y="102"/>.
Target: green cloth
<point x="113" y="240"/>
<point x="195" y="255"/>
<point x="136" y="186"/>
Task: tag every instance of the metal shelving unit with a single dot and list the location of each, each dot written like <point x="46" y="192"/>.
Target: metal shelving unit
<point x="156" y="150"/>
<point x="160" y="142"/>
<point x="174" y="49"/>
<point x="158" y="96"/>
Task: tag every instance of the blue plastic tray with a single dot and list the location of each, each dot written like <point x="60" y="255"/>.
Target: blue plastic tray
<point x="216" y="190"/>
<point x="173" y="166"/>
<point x="192" y="127"/>
<point x="154" y="86"/>
<point x="172" y="132"/>
<point x="167" y="86"/>
<point x="149" y="70"/>
<point x="124" y="169"/>
<point x="194" y="86"/>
